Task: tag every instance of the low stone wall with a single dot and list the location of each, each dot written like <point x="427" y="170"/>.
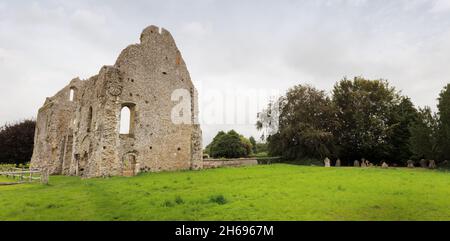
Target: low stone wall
<point x="214" y="163"/>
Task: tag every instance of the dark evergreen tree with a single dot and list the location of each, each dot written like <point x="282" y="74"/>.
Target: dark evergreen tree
<point x="444" y="123"/>
<point x="16" y="142"/>
<point x="364" y="113"/>
<point x="423" y="140"/>
<point x="402" y="118"/>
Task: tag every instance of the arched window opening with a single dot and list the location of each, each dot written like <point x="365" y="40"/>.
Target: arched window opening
<point x="125" y="116"/>
<point x="125" y="120"/>
<point x="72" y="94"/>
<point x="89" y="120"/>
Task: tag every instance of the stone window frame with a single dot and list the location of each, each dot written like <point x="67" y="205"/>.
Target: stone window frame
<point x="73" y="94"/>
<point x="132" y="107"/>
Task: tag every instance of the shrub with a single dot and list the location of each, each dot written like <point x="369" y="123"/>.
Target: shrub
<point x="179" y="200"/>
<point x="229" y="145"/>
<point x="219" y="199"/>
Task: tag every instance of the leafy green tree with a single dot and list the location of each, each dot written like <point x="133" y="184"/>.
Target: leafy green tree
<point x="215" y="140"/>
<point x="261" y="147"/>
<point x="274" y="145"/>
<point x="402" y="117"/>
<point x="17" y="142"/>
<point x="444" y="123"/>
<point x="247" y="145"/>
<point x="306" y="121"/>
<point x="253" y="142"/>
<point x="423" y="140"/>
<point x="229" y="145"/>
<point x="364" y="113"/>
<point x="363" y="119"/>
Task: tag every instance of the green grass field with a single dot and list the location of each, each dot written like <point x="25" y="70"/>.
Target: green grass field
<point x="272" y="192"/>
<point x="4" y="179"/>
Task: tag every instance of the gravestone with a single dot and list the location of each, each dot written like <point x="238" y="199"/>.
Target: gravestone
<point x="423" y="163"/>
<point x="338" y="162"/>
<point x="363" y="163"/>
<point x="432" y="164"/>
<point x="384" y="165"/>
<point x="327" y="162"/>
<point x="410" y="164"/>
<point x="356" y="163"/>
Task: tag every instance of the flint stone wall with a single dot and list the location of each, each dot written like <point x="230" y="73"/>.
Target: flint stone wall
<point x="81" y="137"/>
<point x="237" y="162"/>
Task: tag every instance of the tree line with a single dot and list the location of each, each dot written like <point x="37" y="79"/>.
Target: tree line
<point x="361" y="118"/>
<point x="16" y="142"/>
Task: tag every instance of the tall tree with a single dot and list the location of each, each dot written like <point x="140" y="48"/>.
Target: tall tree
<point x="402" y="118"/>
<point x="306" y="121"/>
<point x="364" y="112"/>
<point x="444" y="123"/>
<point x="423" y="140"/>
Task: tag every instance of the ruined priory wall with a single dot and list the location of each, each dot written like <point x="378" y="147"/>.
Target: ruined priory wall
<point x="97" y="136"/>
<point x="82" y="138"/>
<point x="53" y="126"/>
<point x="151" y="71"/>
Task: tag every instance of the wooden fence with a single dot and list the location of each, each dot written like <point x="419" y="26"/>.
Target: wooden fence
<point x="22" y="175"/>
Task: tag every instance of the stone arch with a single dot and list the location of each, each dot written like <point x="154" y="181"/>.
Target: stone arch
<point x="127" y="119"/>
<point x="129" y="164"/>
<point x="72" y="94"/>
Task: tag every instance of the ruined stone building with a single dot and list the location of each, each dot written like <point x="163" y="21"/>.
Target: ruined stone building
<point x="79" y="132"/>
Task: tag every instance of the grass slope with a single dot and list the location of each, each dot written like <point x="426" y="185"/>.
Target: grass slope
<point x="274" y="192"/>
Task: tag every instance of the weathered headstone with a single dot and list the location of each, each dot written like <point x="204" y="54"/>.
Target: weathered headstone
<point x="384" y="165"/>
<point x="423" y="163"/>
<point x="338" y="162"/>
<point x="356" y="163"/>
<point x="363" y="163"/>
<point x="410" y="163"/>
<point x="327" y="162"/>
<point x="432" y="164"/>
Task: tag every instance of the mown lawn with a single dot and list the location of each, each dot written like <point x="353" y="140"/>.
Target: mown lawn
<point x="273" y="192"/>
<point x="4" y="179"/>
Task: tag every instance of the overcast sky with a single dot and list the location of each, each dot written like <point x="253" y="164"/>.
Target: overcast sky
<point x="229" y="47"/>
